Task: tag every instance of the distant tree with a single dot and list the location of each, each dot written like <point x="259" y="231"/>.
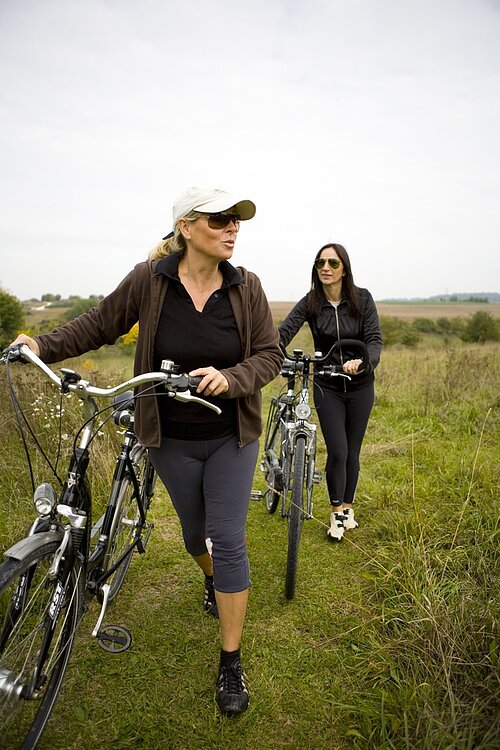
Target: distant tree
<point x="11" y="317"/>
<point x="50" y="297"/>
<point x="481" y="327"/>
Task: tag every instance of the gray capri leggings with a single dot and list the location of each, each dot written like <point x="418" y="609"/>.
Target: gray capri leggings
<point x="209" y="482"/>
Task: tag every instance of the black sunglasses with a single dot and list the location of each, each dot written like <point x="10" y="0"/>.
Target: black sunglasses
<point x="320" y="262"/>
<point x="221" y="220"/>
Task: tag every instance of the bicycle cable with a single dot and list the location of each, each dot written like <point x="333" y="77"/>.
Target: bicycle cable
<point x="19" y="413"/>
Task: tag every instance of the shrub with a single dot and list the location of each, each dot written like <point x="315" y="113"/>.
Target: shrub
<point x="11" y="317"/>
<point x="425" y="325"/>
<point x="79" y="306"/>
<point x="392" y="329"/>
<point x="481" y="327"/>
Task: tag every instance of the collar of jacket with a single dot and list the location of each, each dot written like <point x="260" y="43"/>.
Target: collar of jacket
<point x="169" y="266"/>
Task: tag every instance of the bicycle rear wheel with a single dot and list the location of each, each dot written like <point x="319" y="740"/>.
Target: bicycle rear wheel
<point x="295" y="515"/>
<point x="37" y="615"/>
<point x="127" y="522"/>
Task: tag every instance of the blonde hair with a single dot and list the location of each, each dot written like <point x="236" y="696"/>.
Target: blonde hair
<point x="174" y="244"/>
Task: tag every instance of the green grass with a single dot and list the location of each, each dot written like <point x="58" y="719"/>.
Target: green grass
<point x="392" y="639"/>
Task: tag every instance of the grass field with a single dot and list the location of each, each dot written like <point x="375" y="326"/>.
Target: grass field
<point x="392" y="640"/>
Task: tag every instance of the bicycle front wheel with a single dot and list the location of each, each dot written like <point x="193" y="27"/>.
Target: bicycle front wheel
<point x="295" y="515"/>
<point x="127" y="523"/>
<point x="273" y="459"/>
<point x="38" y="621"/>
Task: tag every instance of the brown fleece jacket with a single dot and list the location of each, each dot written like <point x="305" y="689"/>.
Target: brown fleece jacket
<point x="139" y="298"/>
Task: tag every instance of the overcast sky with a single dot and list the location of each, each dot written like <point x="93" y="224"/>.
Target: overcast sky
<point x="373" y="123"/>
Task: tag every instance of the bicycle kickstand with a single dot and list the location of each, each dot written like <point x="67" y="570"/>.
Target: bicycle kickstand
<point x="112" y="638"/>
<point x="105" y="597"/>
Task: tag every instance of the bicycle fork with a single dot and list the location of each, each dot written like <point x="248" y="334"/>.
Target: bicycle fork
<point x="307" y="430"/>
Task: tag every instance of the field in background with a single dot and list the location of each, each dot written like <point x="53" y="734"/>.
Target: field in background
<point x="410" y="310"/>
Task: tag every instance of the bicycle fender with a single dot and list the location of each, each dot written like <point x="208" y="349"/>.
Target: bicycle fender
<point x="21" y="550"/>
<point x="301" y="432"/>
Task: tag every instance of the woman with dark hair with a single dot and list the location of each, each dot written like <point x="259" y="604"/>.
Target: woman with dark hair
<point x="335" y="308"/>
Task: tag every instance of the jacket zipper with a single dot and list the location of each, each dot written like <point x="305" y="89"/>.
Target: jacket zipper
<point x="340" y="349"/>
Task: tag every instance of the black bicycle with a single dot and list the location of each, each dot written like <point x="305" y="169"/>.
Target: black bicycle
<point x="289" y="459"/>
<point x="48" y="578"/>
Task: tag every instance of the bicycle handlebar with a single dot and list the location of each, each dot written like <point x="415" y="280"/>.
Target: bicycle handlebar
<point x="176" y="385"/>
<point x="295" y="363"/>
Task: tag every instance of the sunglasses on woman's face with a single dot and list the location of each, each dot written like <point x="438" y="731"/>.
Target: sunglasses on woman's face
<point x="221" y="220"/>
<point x="320" y="262"/>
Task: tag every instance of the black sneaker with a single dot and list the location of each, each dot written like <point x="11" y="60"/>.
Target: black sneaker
<point x="209" y="601"/>
<point x="232" y="693"/>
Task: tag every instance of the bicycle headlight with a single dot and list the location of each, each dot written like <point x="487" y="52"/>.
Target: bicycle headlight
<point x="44" y="499"/>
<point x="302" y="411"/>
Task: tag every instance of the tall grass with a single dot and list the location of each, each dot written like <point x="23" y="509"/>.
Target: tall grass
<point x="392" y="639"/>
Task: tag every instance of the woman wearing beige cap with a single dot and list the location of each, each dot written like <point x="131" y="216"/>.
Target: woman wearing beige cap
<point x="212" y="319"/>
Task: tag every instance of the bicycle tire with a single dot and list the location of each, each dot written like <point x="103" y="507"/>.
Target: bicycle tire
<point x="127" y="518"/>
<point x="295" y="515"/>
<point x="26" y="596"/>
<point x="272" y="443"/>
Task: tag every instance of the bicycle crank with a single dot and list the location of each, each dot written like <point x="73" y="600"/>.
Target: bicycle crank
<point x="114" y="639"/>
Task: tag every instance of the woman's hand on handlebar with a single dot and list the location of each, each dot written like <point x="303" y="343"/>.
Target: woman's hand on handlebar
<point x="352" y="366"/>
<point x="213" y="382"/>
<point x="30" y="343"/>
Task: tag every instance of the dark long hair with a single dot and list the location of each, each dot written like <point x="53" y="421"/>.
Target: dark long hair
<point x="316" y="297"/>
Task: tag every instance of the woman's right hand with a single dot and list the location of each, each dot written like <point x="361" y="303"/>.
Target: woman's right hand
<point x="30" y="343"/>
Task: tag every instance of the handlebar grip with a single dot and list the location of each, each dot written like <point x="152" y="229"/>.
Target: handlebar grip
<point x="13" y="354"/>
<point x="194" y="381"/>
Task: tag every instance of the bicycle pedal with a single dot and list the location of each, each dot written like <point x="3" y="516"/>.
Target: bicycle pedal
<point x="256" y="495"/>
<point x="317" y="477"/>
<point x="114" y="639"/>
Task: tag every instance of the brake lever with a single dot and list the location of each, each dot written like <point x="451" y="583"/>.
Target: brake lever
<point x="188" y="396"/>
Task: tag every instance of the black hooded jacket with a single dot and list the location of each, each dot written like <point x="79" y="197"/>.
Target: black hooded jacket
<point x="332" y="324"/>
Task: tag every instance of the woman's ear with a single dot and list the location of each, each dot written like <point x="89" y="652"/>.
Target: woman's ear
<point x="184" y="228"/>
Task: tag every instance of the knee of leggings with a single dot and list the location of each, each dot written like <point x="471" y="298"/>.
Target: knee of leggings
<point x="195" y="546"/>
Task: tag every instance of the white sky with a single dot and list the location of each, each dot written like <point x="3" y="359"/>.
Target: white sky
<point x="373" y="123"/>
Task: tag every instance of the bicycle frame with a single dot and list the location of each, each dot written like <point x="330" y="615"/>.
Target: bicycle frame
<point x="296" y="424"/>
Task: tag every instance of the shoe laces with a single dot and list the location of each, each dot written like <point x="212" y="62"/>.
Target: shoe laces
<point x="232" y="678"/>
<point x="209" y="599"/>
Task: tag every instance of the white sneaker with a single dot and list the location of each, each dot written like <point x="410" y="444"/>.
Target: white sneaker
<point x="349" y="520"/>
<point x="336" y="530"/>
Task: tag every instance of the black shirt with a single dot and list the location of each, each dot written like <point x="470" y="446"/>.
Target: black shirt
<point x="195" y="339"/>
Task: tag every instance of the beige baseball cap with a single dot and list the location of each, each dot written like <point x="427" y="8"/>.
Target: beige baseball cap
<point x="210" y="201"/>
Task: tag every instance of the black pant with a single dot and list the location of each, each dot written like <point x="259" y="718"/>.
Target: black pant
<point x="343" y="418"/>
<point x="209" y="483"/>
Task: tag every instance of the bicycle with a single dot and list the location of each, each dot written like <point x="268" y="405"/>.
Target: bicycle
<point x="289" y="458"/>
<point x="48" y="579"/>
